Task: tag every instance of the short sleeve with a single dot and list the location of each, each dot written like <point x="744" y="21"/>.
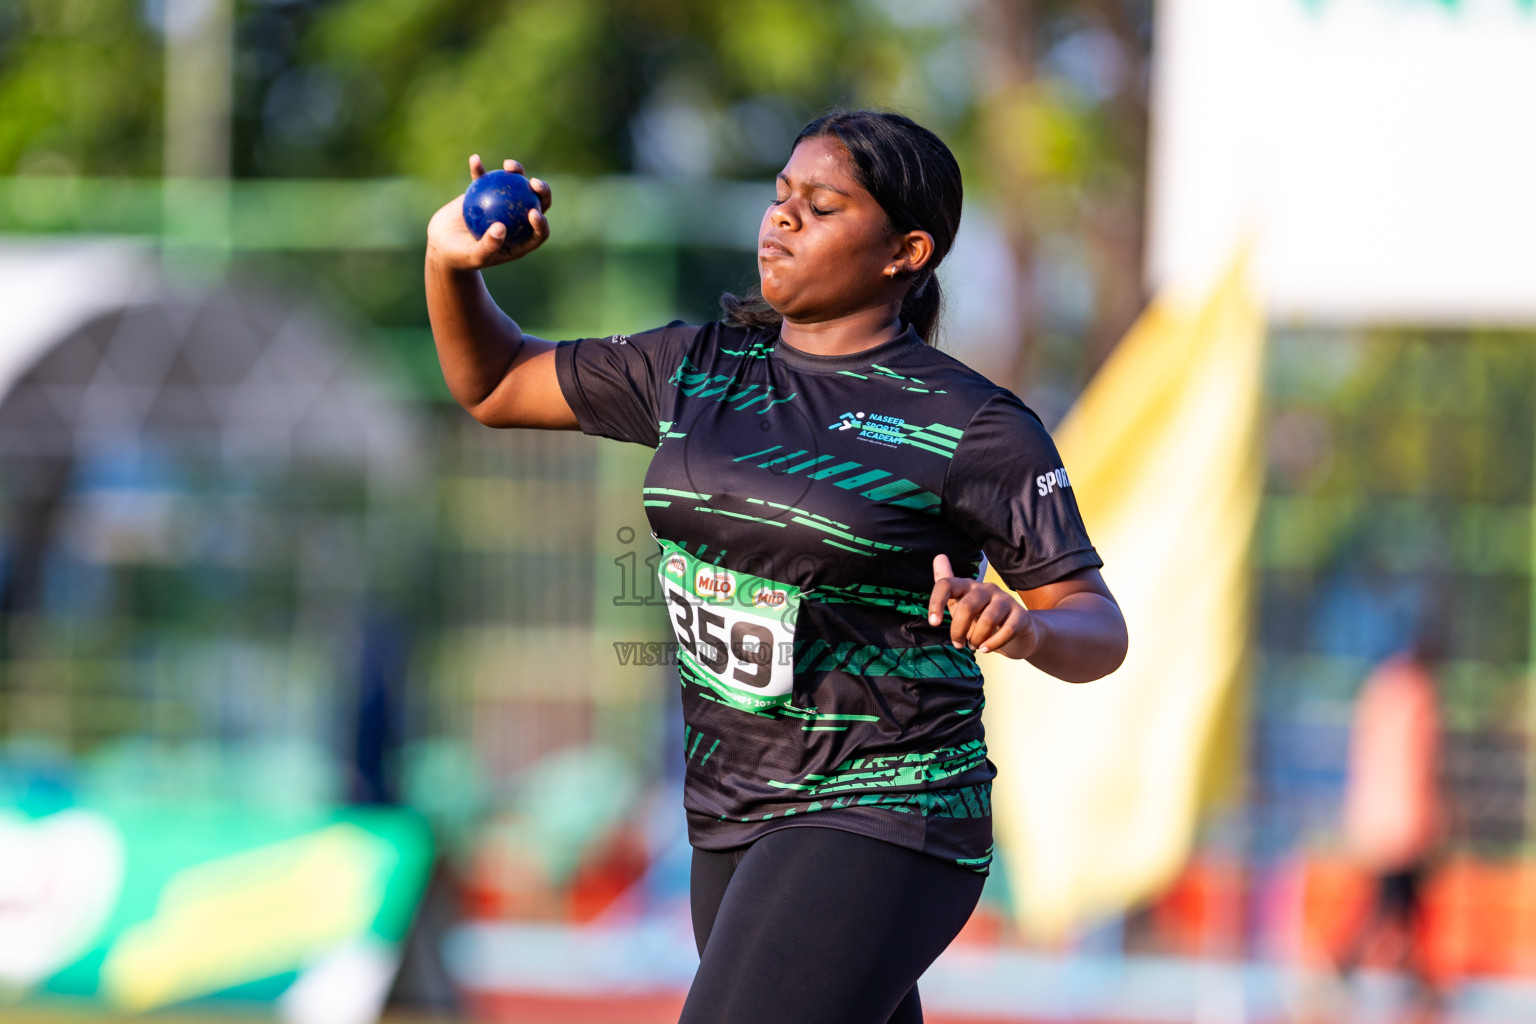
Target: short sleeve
<point x="614" y="384"/>
<point x="1008" y="489"/>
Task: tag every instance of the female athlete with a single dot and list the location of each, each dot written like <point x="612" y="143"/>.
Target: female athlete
<point x="824" y="486"/>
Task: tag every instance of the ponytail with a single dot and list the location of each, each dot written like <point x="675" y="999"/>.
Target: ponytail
<point x="922" y="306"/>
<point x="750" y="310"/>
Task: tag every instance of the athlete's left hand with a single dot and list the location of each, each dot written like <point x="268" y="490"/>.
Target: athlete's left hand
<point x="983" y="616"/>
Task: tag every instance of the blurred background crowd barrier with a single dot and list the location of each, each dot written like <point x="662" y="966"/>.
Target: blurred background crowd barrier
<point x="314" y="695"/>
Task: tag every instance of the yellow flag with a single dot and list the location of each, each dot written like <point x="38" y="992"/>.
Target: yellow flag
<point x="1100" y="785"/>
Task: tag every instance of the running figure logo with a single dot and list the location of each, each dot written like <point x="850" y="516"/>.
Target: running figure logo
<point x="881" y="429"/>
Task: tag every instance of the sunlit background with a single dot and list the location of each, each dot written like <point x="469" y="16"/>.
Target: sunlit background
<point x="315" y="703"/>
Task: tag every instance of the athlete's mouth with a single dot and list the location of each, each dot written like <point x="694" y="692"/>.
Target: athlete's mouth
<point x="768" y="247"/>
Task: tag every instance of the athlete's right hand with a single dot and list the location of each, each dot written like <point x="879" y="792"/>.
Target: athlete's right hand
<point x="451" y="246"/>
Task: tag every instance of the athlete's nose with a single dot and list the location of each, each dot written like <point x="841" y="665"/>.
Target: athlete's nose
<point x="782" y="216"/>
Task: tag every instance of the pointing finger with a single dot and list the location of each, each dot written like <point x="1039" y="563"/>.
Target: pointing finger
<point x="937" y="601"/>
<point x="942" y="587"/>
<point x="476" y="166"/>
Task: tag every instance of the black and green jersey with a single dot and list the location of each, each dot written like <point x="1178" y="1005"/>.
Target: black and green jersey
<point x="799" y="501"/>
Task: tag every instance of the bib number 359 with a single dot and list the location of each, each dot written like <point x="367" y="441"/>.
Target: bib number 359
<point x="733" y="629"/>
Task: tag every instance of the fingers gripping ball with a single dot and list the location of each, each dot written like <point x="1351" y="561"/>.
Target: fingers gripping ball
<point x="500" y="196"/>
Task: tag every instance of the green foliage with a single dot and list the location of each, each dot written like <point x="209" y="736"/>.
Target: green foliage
<point x="80" y="87"/>
<point x="533" y="87"/>
<point x="566" y="85"/>
<point x="1043" y="104"/>
<point x="787" y="47"/>
<point x="1401" y="458"/>
<point x="363" y="88"/>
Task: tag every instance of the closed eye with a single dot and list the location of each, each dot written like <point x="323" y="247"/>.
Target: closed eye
<point x="818" y="211"/>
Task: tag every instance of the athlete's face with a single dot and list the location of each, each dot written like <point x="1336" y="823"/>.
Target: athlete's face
<point x="825" y="248"/>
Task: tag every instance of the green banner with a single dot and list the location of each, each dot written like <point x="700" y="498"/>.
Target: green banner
<point x="150" y="907"/>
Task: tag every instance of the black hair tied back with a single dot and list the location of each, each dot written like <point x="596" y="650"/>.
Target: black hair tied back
<point x="915" y="179"/>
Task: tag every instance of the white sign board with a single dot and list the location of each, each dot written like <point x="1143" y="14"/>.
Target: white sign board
<point x="1379" y="156"/>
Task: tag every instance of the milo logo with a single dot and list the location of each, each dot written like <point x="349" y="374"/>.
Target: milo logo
<point x="676" y="566"/>
<point x="765" y="597"/>
<point x="721" y="586"/>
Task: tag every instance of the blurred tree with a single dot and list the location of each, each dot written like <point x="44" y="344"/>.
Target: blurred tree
<point x="79" y="87"/>
<point x="1062" y="128"/>
<point x="1044" y="101"/>
<point x="680" y="87"/>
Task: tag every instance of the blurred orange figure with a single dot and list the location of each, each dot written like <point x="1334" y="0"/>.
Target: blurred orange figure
<point x="1392" y="808"/>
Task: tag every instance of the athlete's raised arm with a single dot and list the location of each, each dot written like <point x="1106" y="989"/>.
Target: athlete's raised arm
<point x="503" y="377"/>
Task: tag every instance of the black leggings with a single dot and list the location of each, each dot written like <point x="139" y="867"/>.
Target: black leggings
<point x="812" y="924"/>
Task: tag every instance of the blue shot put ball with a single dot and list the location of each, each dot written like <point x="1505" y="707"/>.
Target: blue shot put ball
<point x="500" y="196"/>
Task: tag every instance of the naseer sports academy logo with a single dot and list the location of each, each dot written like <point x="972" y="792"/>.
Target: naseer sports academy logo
<point x="874" y="427"/>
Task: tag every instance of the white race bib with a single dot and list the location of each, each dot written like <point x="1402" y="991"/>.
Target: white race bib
<point x="734" y="630"/>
